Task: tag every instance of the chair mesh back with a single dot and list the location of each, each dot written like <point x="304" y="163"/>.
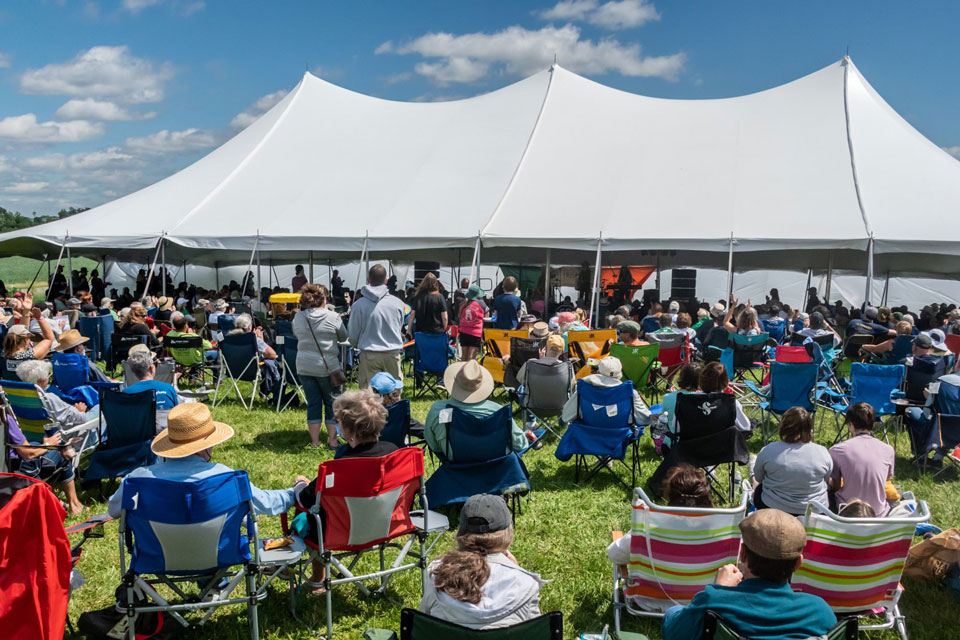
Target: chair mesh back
<point x="610" y="407"/>
<point x="548" y="386"/>
<point x="873" y="384"/>
<point x="431" y="352"/>
<point x="9" y="371"/>
<point x="415" y="625"/>
<point x="774" y="328"/>
<point x="288" y="349"/>
<point x="91" y="328"/>
<point x="70" y="370"/>
<point x="474" y="439"/>
<point x="748" y="349"/>
<point x="130" y="417"/>
<point x="636" y="361"/>
<point x="704" y="414"/>
<point x="853" y="566"/>
<point x="367" y="500"/>
<point x="398" y="419"/>
<point x="671" y="347"/>
<point x="922" y="373"/>
<point x="792" y="385"/>
<point x="31" y="414"/>
<point x="226" y="322"/>
<point x="948" y="395"/>
<point x="240" y="353"/>
<point x="521" y="350"/>
<point x="792" y="353"/>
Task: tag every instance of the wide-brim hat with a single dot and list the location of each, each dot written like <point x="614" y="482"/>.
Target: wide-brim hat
<point x="468" y="382"/>
<point x="164" y="303"/>
<point x="190" y="429"/>
<point x="474" y="292"/>
<point x="540" y="330"/>
<point x="69" y="339"/>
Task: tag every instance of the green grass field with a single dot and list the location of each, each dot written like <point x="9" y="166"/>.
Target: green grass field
<point x="562" y="534"/>
<point x="17" y="272"/>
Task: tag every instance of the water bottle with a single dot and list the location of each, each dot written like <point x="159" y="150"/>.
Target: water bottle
<point x="659" y="431"/>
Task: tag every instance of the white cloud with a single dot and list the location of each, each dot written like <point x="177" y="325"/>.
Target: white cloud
<point x="26" y="187"/>
<point x="111" y="156"/>
<point x="25" y="128"/>
<point x="4" y="60"/>
<point x="92" y="109"/>
<point x="5" y="164"/>
<point x="166" y="141"/>
<point x="101" y="71"/>
<point x="397" y="78"/>
<point x="188" y="7"/>
<point x="523" y="52"/>
<point x="622" y="14"/>
<point x="954" y="151"/>
<point x="263" y="104"/>
<point x="135" y="6"/>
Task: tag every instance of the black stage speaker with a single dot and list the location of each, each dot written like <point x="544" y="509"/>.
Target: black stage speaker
<point x="422" y="268"/>
<point x="683" y="284"/>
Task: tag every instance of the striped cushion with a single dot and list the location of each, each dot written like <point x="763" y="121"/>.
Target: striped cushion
<point x="854" y="567"/>
<point x="32" y="416"/>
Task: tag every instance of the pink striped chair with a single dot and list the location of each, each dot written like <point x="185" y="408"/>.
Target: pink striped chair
<point x="674" y="553"/>
<point x="855" y="564"/>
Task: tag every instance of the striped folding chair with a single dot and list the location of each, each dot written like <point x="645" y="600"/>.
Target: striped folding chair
<point x="855" y="564"/>
<point x="674" y="553"/>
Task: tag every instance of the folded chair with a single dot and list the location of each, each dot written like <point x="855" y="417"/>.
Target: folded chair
<point x="791" y="385"/>
<point x="674" y="352"/>
<point x="429" y="364"/>
<point x="197" y="532"/>
<point x="239" y="361"/>
<point x="415" y="625"/>
<point x="366" y="506"/>
<point x="706" y="437"/>
<point x="131" y="424"/>
<point x="853" y="342"/>
<point x="674" y="553"/>
<point x="479" y="458"/>
<point x="286" y="348"/>
<point x="638" y="363"/>
<point x="855" y="564"/>
<point x="716" y="628"/>
<point x="496" y="344"/>
<point x="874" y="384"/>
<point x="604" y="428"/>
<point x="584" y="346"/>
<point x="547" y="390"/>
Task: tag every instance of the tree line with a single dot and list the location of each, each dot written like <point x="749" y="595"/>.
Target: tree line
<point x="13" y="220"/>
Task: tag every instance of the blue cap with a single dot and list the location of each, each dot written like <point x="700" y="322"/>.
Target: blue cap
<point x="383" y="383"/>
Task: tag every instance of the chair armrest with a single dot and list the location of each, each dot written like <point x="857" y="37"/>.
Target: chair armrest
<point x="753" y="387"/>
<point x="834" y="394"/>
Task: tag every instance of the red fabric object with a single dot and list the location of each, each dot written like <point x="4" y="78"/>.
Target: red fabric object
<point x="34" y="560"/>
<point x="787" y="353"/>
<point x="367" y="500"/>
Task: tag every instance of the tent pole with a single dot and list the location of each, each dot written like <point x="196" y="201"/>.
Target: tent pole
<point x="49" y="278"/>
<point x="216" y="271"/>
<point x="37" y="274"/>
<point x="546" y="285"/>
<point x="163" y="261"/>
<point x="826" y="295"/>
<point x="730" y="268"/>
<point x="475" y="263"/>
<point x="59" y="258"/>
<point x="596" y="283"/>
<point x="806" y="291"/>
<point x="866" y="298"/>
<point x="184" y="278"/>
<point x="886" y="289"/>
<point x="258" y="286"/>
<point x="330" y="276"/>
<point x="70" y="269"/>
<point x="153" y="265"/>
<point x="363" y="253"/>
<point x="270" y="273"/>
<point x="659" y="294"/>
<point x="310" y="263"/>
<point x="256" y="244"/>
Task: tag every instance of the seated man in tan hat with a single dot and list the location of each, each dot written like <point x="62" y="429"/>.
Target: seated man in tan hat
<point x="610" y="374"/>
<point x="71" y="341"/>
<point x="469" y="386"/>
<point x="186" y="446"/>
<point x="755" y="599"/>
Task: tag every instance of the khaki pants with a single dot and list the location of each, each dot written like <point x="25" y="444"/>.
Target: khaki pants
<point x="373" y="362"/>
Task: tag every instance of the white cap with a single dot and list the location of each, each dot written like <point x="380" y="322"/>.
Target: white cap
<point x="611" y="367"/>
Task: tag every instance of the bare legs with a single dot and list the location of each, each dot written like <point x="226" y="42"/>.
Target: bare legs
<point x="315" y="427"/>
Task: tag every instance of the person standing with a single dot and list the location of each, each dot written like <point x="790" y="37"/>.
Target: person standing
<point x="471" y="313"/>
<point x="507" y="305"/>
<point x="376" y="328"/>
<point x="298" y="279"/>
<point x="429" y="313"/>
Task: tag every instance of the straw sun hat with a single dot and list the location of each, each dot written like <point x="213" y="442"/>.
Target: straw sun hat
<point x="190" y="429"/>
<point x="69" y="339"/>
<point x="468" y="382"/>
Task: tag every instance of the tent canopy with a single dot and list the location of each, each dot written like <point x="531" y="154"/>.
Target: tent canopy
<point x="796" y="176"/>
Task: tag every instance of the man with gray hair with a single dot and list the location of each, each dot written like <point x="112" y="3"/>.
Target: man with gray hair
<point x="142" y="367"/>
<point x="268" y="357"/>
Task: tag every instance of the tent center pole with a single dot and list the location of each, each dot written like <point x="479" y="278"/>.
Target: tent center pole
<point x="153" y="266"/>
<point x="886" y="289"/>
<point x="216" y="271"/>
<point x="70" y="269"/>
<point x="310" y="263"/>
<point x="363" y="255"/>
<point x="253" y="253"/>
<point x="594" y="298"/>
<point x="475" y="263"/>
<point x="258" y="285"/>
<point x="730" y="268"/>
<point x="867" y="295"/>
<point x="806" y="291"/>
<point x="330" y="276"/>
<point x="163" y="261"/>
<point x="547" y="290"/>
<point x="59" y="258"/>
<point x="826" y="295"/>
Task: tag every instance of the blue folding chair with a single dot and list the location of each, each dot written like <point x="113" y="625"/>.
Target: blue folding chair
<point x="196" y="532"/>
<point x="478" y="459"/>
<point x="239" y="361"/>
<point x="429" y="363"/>
<point x="99" y="330"/>
<point x="921" y="373"/>
<point x="604" y="428"/>
<point x="131" y="424"/>
<point x="775" y="328"/>
<point x="8" y="369"/>
<point x="71" y="372"/>
<point x="649" y="324"/>
<point x="875" y="384"/>
<point x="286" y="348"/>
<point x="936" y="428"/>
<point x="226" y="322"/>
<point x="792" y="384"/>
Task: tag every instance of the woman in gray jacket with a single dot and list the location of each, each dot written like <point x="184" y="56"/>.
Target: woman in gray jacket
<point x="318" y="332"/>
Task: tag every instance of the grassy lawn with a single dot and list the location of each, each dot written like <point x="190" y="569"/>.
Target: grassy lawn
<point x="18" y="272"/>
<point x="562" y="534"/>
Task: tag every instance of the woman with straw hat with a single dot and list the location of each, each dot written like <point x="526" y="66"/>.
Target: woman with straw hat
<point x="185" y="447"/>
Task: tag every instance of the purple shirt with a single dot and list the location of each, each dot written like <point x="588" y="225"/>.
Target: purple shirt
<point x="15" y="437"/>
<point x="865" y="464"/>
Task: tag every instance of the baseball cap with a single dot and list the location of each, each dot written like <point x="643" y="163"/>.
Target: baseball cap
<point x="73" y="301"/>
<point x="105" y="301"/>
<point x="923" y="341"/>
<point x="19" y="330"/>
<point x="138" y="348"/>
<point x="554" y="323"/>
<point x="611" y="367"/>
<point x="629" y="326"/>
<point x="383" y="383"/>
<point x="938" y="338"/>
<point x="484" y="513"/>
<point x="773" y="534"/>
<point x="674" y="306"/>
<point x="566" y="316"/>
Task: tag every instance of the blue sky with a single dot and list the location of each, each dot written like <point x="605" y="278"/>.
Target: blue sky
<point x="102" y="97"/>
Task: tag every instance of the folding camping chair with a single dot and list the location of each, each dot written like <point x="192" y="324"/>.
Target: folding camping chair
<point x="496" y="344"/>
<point x="521" y="351"/>
<point x="920" y="374"/>
<point x="120" y="347"/>
<point x="226" y="322"/>
<point x="674" y="352"/>
<point x="775" y="328"/>
<point x="855" y="564"/>
<point x="397" y="428"/>
<point x="716" y="628"/>
<point x="415" y="625"/>
<point x="239" y="361"/>
<point x="792" y="384"/>
<point x="201" y="531"/>
<point x="479" y="458"/>
<point x="188" y="353"/>
<point x="8" y="370"/>
<point x="286" y="348"/>
<point x="99" y="330"/>
<point x="938" y="428"/>
<point x="366" y="505"/>
<point x="429" y="364"/>
<point x="853" y="342"/>
<point x="649" y="324"/>
<point x="953" y="343"/>
<point x="748" y="353"/>
<point x="584" y="346"/>
<point x="547" y="390"/>
<point x="674" y="553"/>
<point x="638" y="363"/>
<point x="131" y="424"/>
<point x="706" y="437"/>
<point x="605" y="428"/>
<point x="874" y="384"/>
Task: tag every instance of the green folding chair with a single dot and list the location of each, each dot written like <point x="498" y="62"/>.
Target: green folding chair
<point x="415" y="625"/>
<point x="715" y="628"/>
<point x="637" y="363"/>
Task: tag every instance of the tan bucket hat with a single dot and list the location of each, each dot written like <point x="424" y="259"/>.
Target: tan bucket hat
<point x="468" y="382"/>
<point x="164" y="303"/>
<point x="190" y="429"/>
<point x="69" y="339"/>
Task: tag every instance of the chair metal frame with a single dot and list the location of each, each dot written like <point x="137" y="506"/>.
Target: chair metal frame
<point x="225" y="371"/>
<point x="288" y="372"/>
<point x="425" y="380"/>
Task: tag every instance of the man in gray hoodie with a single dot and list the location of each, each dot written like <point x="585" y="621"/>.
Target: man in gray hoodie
<point x="376" y="328"/>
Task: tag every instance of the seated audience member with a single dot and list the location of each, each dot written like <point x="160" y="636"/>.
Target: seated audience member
<point x="72" y="342"/>
<point x="107" y="303"/>
<point x="135" y="324"/>
<point x="610" y="374"/>
<point x="630" y="333"/>
<point x="857" y="509"/>
<point x="862" y="464"/>
<point x="755" y="599"/>
<point x="923" y="349"/>
<point x="479" y="584"/>
<point x="818" y="326"/>
<point x="716" y="316"/>
<point x="186" y="446"/>
<point x="469" y="386"/>
<point x="794" y="470"/>
<point x="65" y="414"/>
<point x="550" y="354"/>
<point x="683" y="326"/>
<point x="666" y="324"/>
<point x="903" y="328"/>
<point x="687" y="381"/>
<point x="182" y="329"/>
<point x="389" y="389"/>
<point x="143" y="368"/>
<point x="268" y="357"/>
<point x="18" y="343"/>
<point x="939" y="339"/>
<point x="868" y="325"/>
<point x="164" y="309"/>
<point x="674" y="310"/>
<point x="713" y="379"/>
<point x="507" y="305"/>
<point x="219" y="308"/>
<point x="89" y="310"/>
<point x="685" y="486"/>
<point x="748" y="323"/>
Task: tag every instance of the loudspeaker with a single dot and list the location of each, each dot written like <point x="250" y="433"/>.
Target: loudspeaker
<point x="683" y="284"/>
<point x="422" y="268"/>
<point x="651" y="296"/>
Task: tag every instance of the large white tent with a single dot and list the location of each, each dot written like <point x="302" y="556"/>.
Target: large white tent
<point x="815" y="174"/>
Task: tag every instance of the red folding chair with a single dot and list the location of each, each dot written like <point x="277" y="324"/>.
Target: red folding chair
<point x="794" y="354"/>
<point x="953" y="343"/>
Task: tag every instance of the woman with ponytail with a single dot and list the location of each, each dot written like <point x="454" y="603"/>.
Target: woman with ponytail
<point x="479" y="584"/>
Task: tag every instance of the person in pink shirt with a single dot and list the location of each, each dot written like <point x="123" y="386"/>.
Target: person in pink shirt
<point x="471" y="314"/>
<point x="862" y="464"/>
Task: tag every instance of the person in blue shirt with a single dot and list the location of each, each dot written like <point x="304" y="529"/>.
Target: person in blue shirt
<point x="142" y="367"/>
<point x="186" y="446"/>
<point x="507" y="305"/>
<point x="755" y="599"/>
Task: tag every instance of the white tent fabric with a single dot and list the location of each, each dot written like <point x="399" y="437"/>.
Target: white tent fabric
<point x="798" y="176"/>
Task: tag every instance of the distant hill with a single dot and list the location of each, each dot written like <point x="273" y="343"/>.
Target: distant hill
<point x="13" y="220"/>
